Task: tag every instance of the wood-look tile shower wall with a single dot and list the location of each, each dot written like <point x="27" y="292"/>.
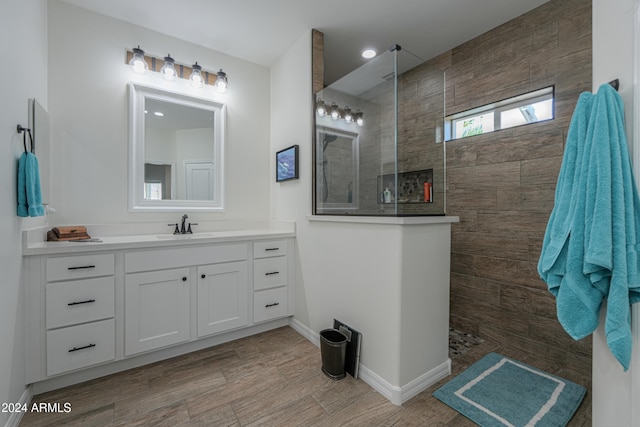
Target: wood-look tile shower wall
<point x="502" y="184"/>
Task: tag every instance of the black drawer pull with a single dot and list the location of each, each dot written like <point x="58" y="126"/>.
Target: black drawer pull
<point x="184" y="279"/>
<point x="272" y="273"/>
<point x="203" y="276"/>
<point x="81" y="302"/>
<point x="81" y="348"/>
<point x="272" y="249"/>
<point x="82" y="267"/>
<point x="272" y="305"/>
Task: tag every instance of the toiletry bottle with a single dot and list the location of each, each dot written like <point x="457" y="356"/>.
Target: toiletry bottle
<point x="427" y="191"/>
<point x="387" y="195"/>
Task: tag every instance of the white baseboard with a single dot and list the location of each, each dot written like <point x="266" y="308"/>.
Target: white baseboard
<point x="396" y="395"/>
<point x="305" y="331"/>
<point x="426" y="380"/>
<point x="25" y="400"/>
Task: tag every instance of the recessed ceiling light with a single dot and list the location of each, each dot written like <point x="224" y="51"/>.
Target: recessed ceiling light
<point x="369" y="53"/>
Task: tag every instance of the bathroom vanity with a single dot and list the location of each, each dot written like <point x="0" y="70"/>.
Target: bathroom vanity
<point x="98" y="308"/>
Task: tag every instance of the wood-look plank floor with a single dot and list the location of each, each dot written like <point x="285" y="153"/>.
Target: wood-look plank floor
<point x="270" y="379"/>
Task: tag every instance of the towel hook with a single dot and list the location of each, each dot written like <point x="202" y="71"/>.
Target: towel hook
<point x="615" y="83"/>
<point x="23" y="130"/>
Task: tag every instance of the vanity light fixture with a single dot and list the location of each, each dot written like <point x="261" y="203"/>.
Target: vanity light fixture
<point x="336" y="113"/>
<point x="196" y="75"/>
<point x="168" y="70"/>
<point x="221" y="81"/>
<point x="137" y="63"/>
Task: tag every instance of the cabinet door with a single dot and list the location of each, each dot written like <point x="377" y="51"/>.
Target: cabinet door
<point x="222" y="297"/>
<point x="156" y="309"/>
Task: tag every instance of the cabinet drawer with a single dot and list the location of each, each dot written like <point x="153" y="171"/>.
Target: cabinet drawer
<point x="149" y="260"/>
<point x="269" y="304"/>
<point x="79" y="267"/>
<point x="79" y="301"/>
<point x="269" y="248"/>
<point x="80" y="346"/>
<point x="269" y="272"/>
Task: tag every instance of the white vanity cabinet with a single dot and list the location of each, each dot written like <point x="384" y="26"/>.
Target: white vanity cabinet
<point x="92" y="311"/>
<point x="222" y="297"/>
<point x="158" y="304"/>
<point x="156" y="309"/>
<point x="270" y="280"/>
<point x="79" y="310"/>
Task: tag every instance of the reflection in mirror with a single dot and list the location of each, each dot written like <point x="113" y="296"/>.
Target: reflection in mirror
<point x="158" y="181"/>
<point x="176" y="151"/>
<point x="178" y="135"/>
<point x="337" y="165"/>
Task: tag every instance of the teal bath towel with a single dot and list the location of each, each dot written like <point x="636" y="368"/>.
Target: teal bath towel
<point x="590" y="246"/>
<point x="29" y="193"/>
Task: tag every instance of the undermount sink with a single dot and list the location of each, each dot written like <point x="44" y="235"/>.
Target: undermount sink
<point x="182" y="236"/>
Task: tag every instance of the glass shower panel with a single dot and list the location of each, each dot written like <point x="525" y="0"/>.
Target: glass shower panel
<point x="359" y="167"/>
<point x="421" y="147"/>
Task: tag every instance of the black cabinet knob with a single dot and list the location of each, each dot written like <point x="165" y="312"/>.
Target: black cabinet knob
<point x="184" y="279"/>
<point x="203" y="276"/>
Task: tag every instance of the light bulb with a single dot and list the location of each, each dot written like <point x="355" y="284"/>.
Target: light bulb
<point x="221" y="83"/>
<point x="168" y="70"/>
<point x="137" y="63"/>
<point x="335" y="114"/>
<point x="320" y="108"/>
<point x="348" y="117"/>
<point x="359" y="119"/>
<point x="196" y="75"/>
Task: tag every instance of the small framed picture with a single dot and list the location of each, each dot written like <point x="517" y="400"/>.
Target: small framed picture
<point x="287" y="164"/>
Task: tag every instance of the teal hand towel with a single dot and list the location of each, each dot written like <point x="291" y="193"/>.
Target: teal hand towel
<point x="29" y="192"/>
<point x="23" y="208"/>
<point x="589" y="251"/>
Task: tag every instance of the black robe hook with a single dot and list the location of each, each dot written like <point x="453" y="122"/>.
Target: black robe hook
<point x="615" y="83"/>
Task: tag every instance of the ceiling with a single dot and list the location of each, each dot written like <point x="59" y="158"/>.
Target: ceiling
<point x="260" y="31"/>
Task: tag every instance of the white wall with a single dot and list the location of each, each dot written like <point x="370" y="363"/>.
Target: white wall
<point x="88" y="105"/>
<point x="23" y="43"/>
<point x="349" y="271"/>
<point x="615" y="393"/>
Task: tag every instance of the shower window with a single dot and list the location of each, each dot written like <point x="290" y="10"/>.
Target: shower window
<point x="532" y="107"/>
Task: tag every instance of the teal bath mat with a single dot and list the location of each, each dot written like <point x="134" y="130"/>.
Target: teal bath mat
<point x="498" y="391"/>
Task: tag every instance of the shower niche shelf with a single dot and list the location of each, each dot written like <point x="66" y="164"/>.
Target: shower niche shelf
<point x="412" y="187"/>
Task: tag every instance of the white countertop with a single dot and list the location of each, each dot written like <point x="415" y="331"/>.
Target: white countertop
<point x="31" y="247"/>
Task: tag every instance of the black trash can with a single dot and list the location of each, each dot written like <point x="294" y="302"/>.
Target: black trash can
<point x="333" y="346"/>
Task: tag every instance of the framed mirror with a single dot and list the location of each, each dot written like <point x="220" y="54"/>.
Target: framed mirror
<point x="176" y="151"/>
<point x="337" y="163"/>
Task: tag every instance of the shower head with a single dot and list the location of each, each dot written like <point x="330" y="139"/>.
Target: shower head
<point x="329" y="138"/>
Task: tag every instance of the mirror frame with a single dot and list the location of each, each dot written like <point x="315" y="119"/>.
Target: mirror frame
<point x="137" y="203"/>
